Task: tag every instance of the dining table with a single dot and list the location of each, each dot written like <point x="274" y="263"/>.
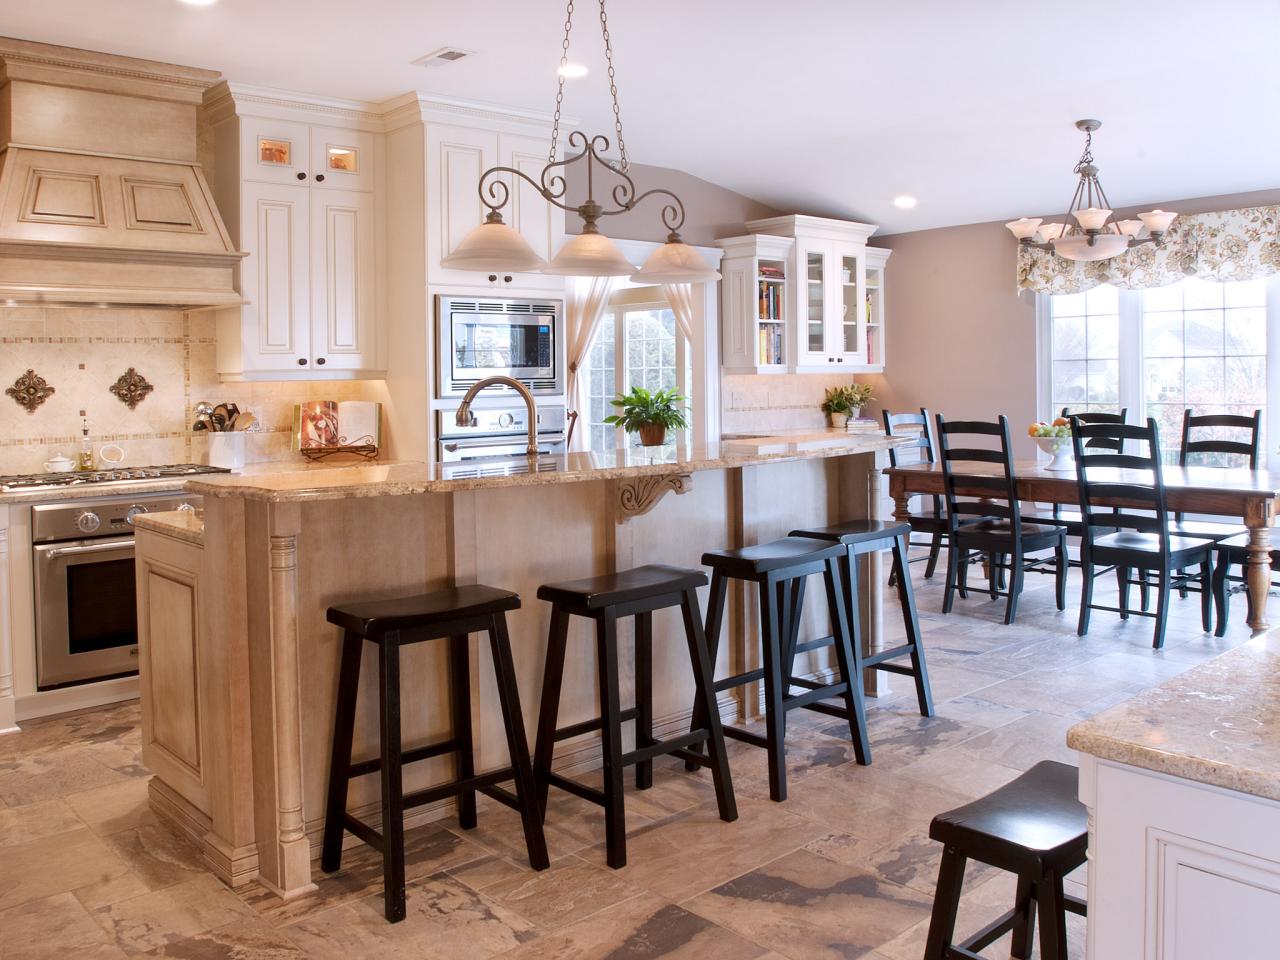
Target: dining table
<point x="1250" y="496"/>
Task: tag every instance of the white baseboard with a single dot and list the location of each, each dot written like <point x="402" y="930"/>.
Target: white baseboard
<point x="47" y="703"/>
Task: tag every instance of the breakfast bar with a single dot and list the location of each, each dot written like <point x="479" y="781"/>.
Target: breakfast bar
<point x="240" y="666"/>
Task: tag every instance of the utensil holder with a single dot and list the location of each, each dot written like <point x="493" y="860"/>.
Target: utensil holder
<point x="226" y="449"/>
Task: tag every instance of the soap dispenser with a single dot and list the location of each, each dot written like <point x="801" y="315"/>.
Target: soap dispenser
<point x="84" y="459"/>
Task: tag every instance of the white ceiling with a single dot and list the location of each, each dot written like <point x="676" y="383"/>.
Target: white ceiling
<point x="820" y="106"/>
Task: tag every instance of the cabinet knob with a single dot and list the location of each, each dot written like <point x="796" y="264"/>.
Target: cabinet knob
<point x="839" y="359"/>
<point x="301" y="175"/>
<point x="506" y="279"/>
<point x="493" y="278"/>
<point x="319" y="178"/>
<point x="302" y="361"/>
<point x="320" y="361"/>
<point x="831" y="359"/>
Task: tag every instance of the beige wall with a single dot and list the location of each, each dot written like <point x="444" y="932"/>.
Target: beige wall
<point x="82" y="352"/>
<point x="961" y="340"/>
<point x="711" y="212"/>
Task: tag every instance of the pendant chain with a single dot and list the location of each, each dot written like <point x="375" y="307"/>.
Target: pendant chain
<point x="624" y="163"/>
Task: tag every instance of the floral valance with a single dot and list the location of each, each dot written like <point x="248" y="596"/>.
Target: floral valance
<point x="1228" y="245"/>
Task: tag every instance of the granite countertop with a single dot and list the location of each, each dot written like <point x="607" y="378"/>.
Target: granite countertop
<point x="185" y="525"/>
<point x="1218" y="723"/>
<point x="398" y="479"/>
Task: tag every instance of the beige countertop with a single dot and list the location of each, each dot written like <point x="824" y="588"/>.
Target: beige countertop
<point x="398" y="479"/>
<point x="185" y="525"/>
<point x="1218" y="723"/>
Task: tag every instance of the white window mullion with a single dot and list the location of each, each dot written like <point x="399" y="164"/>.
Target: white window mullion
<point x="1131" y="378"/>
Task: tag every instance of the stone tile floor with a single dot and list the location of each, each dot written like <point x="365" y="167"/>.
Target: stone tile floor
<point x="843" y="869"/>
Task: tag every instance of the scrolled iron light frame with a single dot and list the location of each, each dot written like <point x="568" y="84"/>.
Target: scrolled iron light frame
<point x="553" y="186"/>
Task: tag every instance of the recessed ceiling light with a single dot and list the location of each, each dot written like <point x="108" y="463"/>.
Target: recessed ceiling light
<point x="199" y="3"/>
<point x="904" y="201"/>
<point x="571" y="71"/>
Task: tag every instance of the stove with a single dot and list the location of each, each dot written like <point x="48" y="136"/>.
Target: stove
<point x="50" y="481"/>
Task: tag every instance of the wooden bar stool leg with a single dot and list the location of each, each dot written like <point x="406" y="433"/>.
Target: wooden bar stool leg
<point x="700" y="660"/>
<point x="715" y="620"/>
<point x="644" y="696"/>
<point x="552" y="675"/>
<point x="907" y="601"/>
<point x="391" y="768"/>
<point x="1053" y="926"/>
<point x="517" y="745"/>
<point x="1024" y="932"/>
<point x="615" y="823"/>
<point x="344" y="723"/>
<point x="946" y="903"/>
<point x="775" y="728"/>
<point x="460" y="708"/>
<point x="849" y="657"/>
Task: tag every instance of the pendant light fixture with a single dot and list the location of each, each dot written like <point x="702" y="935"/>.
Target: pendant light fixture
<point x="494" y="247"/>
<point x="1095" y="235"/>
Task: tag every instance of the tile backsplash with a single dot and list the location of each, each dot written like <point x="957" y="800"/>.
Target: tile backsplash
<point x="82" y="352"/>
<point x="757" y="403"/>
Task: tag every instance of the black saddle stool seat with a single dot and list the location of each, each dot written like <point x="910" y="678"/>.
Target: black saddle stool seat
<point x="861" y="537"/>
<point x="780" y="569"/>
<point x="391" y="624"/>
<point x="1034" y="827"/>
<point x="628" y="593"/>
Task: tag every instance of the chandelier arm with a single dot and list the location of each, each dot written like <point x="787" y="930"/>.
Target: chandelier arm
<point x="495" y="181"/>
<point x="1074" y="205"/>
<point x="672" y="211"/>
<point x="554" y="184"/>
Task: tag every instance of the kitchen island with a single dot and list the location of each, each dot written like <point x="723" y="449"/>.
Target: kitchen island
<point x="240" y="666"/>
<point x="1183" y="789"/>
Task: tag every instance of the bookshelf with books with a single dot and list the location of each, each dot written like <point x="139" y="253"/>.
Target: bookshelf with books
<point x="755" y="273"/>
<point x="876" y="258"/>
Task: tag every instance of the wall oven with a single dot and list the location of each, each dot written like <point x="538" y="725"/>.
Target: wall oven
<point x="522" y="339"/>
<point x="501" y="432"/>
<point x="86" y="612"/>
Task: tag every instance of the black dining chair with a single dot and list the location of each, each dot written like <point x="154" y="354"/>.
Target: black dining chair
<point x="932" y="520"/>
<point x="984" y="519"/>
<point x="1127" y="527"/>
<point x="1071" y="519"/>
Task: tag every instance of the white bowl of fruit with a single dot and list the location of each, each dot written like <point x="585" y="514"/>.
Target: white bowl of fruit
<point x="1055" y="440"/>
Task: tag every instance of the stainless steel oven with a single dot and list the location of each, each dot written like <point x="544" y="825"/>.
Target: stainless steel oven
<point x="501" y="432"/>
<point x="522" y="339"/>
<point x="86" y="613"/>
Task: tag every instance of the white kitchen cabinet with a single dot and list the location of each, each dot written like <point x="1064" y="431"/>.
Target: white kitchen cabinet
<point x="302" y="200"/>
<point x="803" y="282"/>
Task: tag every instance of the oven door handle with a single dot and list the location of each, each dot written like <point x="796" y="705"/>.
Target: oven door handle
<point x="100" y="547"/>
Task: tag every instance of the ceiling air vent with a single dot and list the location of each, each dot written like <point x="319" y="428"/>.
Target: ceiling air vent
<point x="442" y="57"/>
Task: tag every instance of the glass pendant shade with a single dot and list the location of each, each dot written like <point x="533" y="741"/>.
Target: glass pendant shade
<point x="1051" y="231"/>
<point x="1024" y="228"/>
<point x="590" y="255"/>
<point x="1157" y="221"/>
<point x="1129" y="228"/>
<point x="493" y="247"/>
<point x="1077" y="247"/>
<point x="675" y="262"/>
<point x="1092" y="218"/>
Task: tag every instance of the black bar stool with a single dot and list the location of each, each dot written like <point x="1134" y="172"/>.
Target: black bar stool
<point x="780" y="569"/>
<point x="629" y="593"/>
<point x="867" y="536"/>
<point x="391" y="624"/>
<point x="1032" y="826"/>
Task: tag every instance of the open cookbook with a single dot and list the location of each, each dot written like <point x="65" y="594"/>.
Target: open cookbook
<point x="320" y="424"/>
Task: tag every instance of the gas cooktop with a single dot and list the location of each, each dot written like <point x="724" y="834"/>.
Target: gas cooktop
<point x="41" y="481"/>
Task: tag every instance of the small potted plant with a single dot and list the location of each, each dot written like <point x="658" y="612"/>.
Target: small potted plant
<point x="846" y="402"/>
<point x="649" y="414"/>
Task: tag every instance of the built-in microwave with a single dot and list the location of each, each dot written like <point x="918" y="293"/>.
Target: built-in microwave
<point x="522" y="339"/>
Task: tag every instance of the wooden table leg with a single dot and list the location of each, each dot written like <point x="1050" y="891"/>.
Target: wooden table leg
<point x="1259" y="572"/>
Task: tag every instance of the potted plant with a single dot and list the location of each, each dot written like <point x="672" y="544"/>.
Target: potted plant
<point x="649" y="414"/>
<point x="846" y="401"/>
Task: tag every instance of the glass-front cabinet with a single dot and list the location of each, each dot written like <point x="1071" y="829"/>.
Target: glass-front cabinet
<point x="803" y="295"/>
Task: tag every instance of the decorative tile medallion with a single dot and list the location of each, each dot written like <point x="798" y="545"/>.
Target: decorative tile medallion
<point x="132" y="388"/>
<point x="30" y="390"/>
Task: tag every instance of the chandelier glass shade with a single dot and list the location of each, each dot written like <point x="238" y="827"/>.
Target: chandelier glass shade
<point x="495" y="247"/>
<point x="1095" y="234"/>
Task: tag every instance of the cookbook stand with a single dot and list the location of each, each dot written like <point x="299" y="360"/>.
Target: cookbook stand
<point x="366" y="451"/>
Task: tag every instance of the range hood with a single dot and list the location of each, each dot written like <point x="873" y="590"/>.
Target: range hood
<point x="102" y="199"/>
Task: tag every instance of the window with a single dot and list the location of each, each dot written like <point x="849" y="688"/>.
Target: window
<point x="637" y="345"/>
<point x="1192" y="344"/>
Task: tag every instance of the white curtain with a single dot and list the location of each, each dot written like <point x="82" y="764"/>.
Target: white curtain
<point x="586" y="301"/>
<point x="680" y="296"/>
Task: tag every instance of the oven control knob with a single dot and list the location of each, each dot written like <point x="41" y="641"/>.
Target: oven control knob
<point x="505" y="419"/>
<point x="88" y="521"/>
<point x="133" y="512"/>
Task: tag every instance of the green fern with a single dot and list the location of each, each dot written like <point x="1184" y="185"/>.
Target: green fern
<point x="640" y="408"/>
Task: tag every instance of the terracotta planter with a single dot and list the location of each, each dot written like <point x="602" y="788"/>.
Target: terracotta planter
<point x="653" y="435"/>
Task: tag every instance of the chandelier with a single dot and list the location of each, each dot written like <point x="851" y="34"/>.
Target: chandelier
<point x="1095" y="235"/>
<point x="494" y="247"/>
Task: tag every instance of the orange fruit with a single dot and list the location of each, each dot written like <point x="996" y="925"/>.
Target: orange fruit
<point x="1061" y="422"/>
